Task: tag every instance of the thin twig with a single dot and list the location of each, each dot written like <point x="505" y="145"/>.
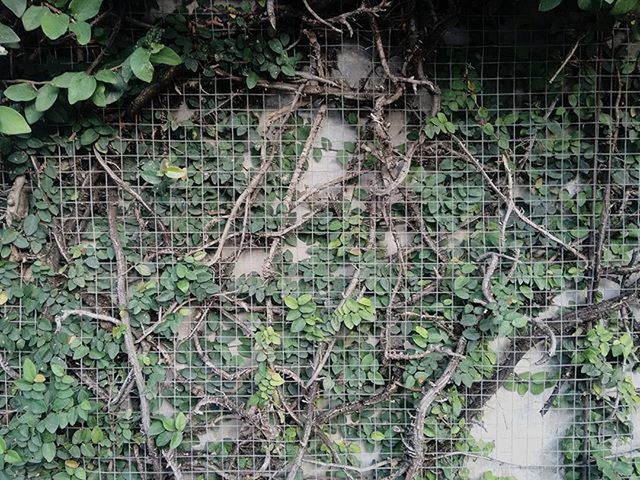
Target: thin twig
<point x="11" y="373"/>
<point x="173" y="464"/>
<point x="125" y="186"/>
<point x="271" y="13"/>
<point x="266" y="157"/>
<point x="510" y="204"/>
<point x="83" y="313"/>
<point x="567" y="58"/>
<point x="356" y="406"/>
<point x="114" y="34"/>
<point x="319" y="18"/>
<point x="539" y="228"/>
<point x="488" y="274"/>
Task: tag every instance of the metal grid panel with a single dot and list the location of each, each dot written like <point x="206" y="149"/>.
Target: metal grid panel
<point x="201" y="355"/>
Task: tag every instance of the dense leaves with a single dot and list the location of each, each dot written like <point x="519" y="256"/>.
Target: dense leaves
<point x="361" y="297"/>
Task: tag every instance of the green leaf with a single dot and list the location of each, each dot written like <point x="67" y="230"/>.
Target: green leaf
<point x="97" y="435"/>
<point x="589" y="4"/>
<point x="29" y="370"/>
<point x="47" y="96"/>
<point x="7" y="35"/>
<point x="107" y="76"/>
<point x="12" y="457"/>
<point x="546" y="5"/>
<point x="32" y="18"/>
<point x="143" y="270"/>
<point x="298" y="325"/>
<point x="252" y="79"/>
<point x="622" y="7"/>
<point x="166" y="56"/>
<point x="376" y="436"/>
<point x="54" y="25"/>
<point x="140" y="64"/>
<point x="63" y="81"/>
<point x="175" y="173"/>
<point x="20" y="92"/>
<point x="49" y="451"/>
<point x="84" y="9"/>
<point x="519" y="321"/>
<point x="291" y="302"/>
<point x="82" y="30"/>
<point x="365" y="301"/>
<point x="16" y="6"/>
<point x="81" y="87"/>
<point x="30" y="225"/>
<point x="304" y="299"/>
<point x="183" y="286"/>
<point x="181" y="421"/>
<point x="31" y="114"/>
<point x="423" y="332"/>
<point x="51" y="423"/>
<point x="276" y="46"/>
<point x="176" y="440"/>
<point x="99" y="98"/>
<point x="12" y="123"/>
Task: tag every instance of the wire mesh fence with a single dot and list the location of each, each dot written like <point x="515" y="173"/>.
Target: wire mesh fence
<point x="324" y="284"/>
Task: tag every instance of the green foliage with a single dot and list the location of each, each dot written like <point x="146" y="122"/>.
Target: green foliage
<point x="611" y="7"/>
<point x="252" y="340"/>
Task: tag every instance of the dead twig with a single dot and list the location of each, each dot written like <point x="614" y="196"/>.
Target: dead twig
<point x="266" y="157"/>
<point x="567" y="58"/>
<point x="8" y="370"/>
<point x="562" y="325"/>
<point x="125" y="186"/>
<point x="488" y="274"/>
<point x="321" y="20"/>
<point x="271" y="13"/>
<point x="17" y="201"/>
<point x="165" y="79"/>
<point x="510" y="204"/>
<point x="83" y="313"/>
<point x="466" y="154"/>
<point x="170" y="458"/>
<point x="343" y="19"/>
<point x="352" y="407"/>
<point x="103" y="53"/>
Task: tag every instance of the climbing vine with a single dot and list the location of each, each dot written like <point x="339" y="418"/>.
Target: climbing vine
<point x="146" y="162"/>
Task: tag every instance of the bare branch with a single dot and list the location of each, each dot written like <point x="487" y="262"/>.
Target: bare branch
<point x="121" y="290"/>
<point x="417" y="436"/>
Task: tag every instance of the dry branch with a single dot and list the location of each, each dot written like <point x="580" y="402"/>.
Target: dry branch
<point x="466" y="154"/>
<point x="125" y="186"/>
<point x="349" y="408"/>
<point x="121" y="290"/>
<point x="306" y="434"/>
<point x="417" y="435"/>
<point x="293" y="184"/>
<point x="562" y="325"/>
<point x="266" y="157"/>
